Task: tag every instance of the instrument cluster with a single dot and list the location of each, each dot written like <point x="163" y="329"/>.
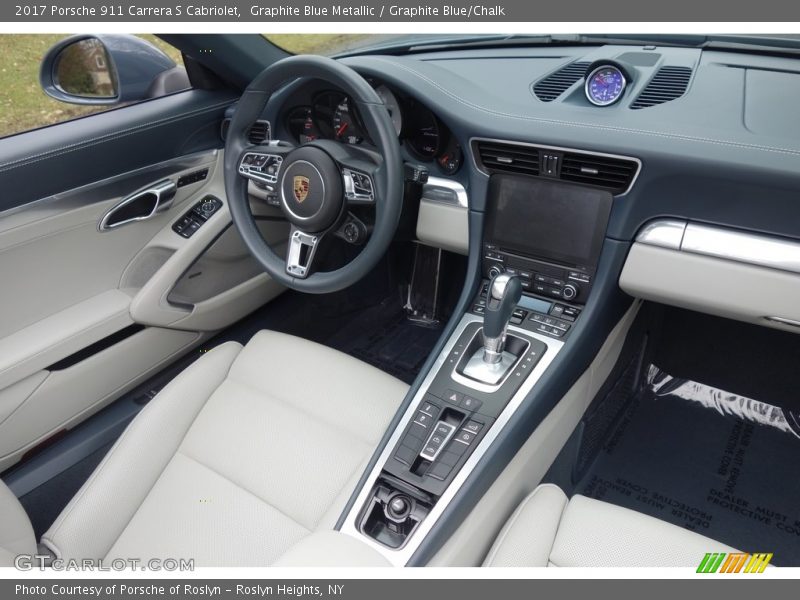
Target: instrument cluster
<point x="331" y="115"/>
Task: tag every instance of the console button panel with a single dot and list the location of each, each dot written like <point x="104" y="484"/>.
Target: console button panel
<point x="429" y="452"/>
<point x="194" y="218"/>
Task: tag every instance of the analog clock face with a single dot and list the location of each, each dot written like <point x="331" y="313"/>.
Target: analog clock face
<point x="605" y="85"/>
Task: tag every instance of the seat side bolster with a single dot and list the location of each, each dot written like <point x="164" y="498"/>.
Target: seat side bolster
<point x="527" y="538"/>
<point x="102" y="508"/>
<point x="594" y="533"/>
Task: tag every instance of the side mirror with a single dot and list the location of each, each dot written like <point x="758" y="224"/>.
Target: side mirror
<point x="108" y="69"/>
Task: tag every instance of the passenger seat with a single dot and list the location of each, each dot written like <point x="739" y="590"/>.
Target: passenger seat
<point x="16" y="533"/>
<point x="550" y="530"/>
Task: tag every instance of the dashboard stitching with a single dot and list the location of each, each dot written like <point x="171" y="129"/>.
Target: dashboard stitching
<point x="34" y="158"/>
<point x="592" y="126"/>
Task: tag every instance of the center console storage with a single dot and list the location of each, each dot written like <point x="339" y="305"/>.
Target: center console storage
<point x="539" y="256"/>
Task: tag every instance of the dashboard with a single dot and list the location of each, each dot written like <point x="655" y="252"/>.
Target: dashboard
<point x="722" y="148"/>
<point x="319" y="112"/>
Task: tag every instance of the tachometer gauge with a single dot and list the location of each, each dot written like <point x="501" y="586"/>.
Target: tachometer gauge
<point x="345" y="128"/>
<point x="303" y="125"/>
<point x="392" y="105"/>
<point x="605" y="85"/>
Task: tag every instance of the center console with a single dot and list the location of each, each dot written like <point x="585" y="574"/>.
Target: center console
<point x="539" y="256"/>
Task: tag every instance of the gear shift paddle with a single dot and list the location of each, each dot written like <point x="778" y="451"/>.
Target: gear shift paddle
<point x="504" y="292"/>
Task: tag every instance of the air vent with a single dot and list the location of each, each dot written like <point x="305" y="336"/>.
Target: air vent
<point x="612" y="174"/>
<point x="668" y="84"/>
<point x="258" y="134"/>
<point x="508" y="158"/>
<point x="555" y="84"/>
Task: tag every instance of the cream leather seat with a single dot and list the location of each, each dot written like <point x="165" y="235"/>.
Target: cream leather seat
<point x="245" y="453"/>
<point x="550" y="530"/>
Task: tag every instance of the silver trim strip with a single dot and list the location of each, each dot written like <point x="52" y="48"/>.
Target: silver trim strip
<point x="760" y="250"/>
<point x="444" y="191"/>
<point x="400" y="557"/>
<point x="667" y="233"/>
<point x="560" y="149"/>
<point x="784" y="321"/>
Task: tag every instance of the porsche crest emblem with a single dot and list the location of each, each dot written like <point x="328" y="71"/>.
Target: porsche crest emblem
<point x="300" y="188"/>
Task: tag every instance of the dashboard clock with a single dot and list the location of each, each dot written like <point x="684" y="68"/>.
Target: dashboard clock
<point x="605" y="84"/>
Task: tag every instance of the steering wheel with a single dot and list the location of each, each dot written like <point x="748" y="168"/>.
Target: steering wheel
<point x="316" y="183"/>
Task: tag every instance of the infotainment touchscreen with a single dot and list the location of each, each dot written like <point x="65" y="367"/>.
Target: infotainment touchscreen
<point x="553" y="221"/>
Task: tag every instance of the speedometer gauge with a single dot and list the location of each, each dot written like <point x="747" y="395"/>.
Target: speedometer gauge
<point x="605" y="85"/>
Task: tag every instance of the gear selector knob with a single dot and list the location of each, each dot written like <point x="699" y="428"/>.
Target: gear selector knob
<point x="504" y="292"/>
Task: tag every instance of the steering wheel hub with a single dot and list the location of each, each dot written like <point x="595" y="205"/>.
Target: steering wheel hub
<point x="311" y="192"/>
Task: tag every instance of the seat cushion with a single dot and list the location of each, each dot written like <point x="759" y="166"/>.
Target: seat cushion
<point x="549" y="530"/>
<point x="244" y="454"/>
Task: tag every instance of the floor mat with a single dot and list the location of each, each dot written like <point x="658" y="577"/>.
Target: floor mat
<point x="710" y="461"/>
<point x="385" y="338"/>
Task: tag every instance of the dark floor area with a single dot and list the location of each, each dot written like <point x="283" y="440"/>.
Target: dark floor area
<point x="697" y="435"/>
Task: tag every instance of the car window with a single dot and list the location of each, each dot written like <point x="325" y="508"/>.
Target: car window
<point x="24" y="104"/>
<point x="322" y="43"/>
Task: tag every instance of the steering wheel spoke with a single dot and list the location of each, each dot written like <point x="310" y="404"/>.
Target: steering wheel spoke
<point x="301" y="251"/>
<point x="262" y="163"/>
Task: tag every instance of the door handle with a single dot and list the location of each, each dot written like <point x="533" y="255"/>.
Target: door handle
<point x="140" y="205"/>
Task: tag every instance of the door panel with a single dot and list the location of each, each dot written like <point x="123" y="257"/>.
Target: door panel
<point x="72" y="292"/>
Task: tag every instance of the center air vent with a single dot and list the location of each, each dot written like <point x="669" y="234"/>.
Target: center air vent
<point x="258" y="134"/>
<point x="603" y="171"/>
<point x="612" y="174"/>
<point x="669" y="83"/>
<point x="555" y="84"/>
<point x="509" y="158"/>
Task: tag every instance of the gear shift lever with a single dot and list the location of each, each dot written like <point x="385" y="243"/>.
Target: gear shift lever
<point x="504" y="292"/>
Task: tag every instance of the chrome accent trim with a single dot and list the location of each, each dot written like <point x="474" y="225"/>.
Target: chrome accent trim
<point x="401" y="556"/>
<point x="432" y="456"/>
<point x="754" y="249"/>
<point x="667" y="233"/>
<point x="297" y="240"/>
<point x="248" y="172"/>
<point x="485" y="387"/>
<point x="164" y="191"/>
<point x="106" y="189"/>
<point x="588" y="79"/>
<point x="560" y="149"/>
<point x="783" y="321"/>
<point x="351" y="190"/>
<point x="444" y="191"/>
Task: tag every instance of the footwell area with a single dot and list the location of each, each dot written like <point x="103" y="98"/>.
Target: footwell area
<point x="705" y="459"/>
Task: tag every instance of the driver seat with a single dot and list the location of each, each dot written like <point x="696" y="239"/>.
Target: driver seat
<point x="245" y="453"/>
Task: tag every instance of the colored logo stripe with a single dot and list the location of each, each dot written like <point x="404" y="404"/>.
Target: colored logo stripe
<point x="735" y="562"/>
